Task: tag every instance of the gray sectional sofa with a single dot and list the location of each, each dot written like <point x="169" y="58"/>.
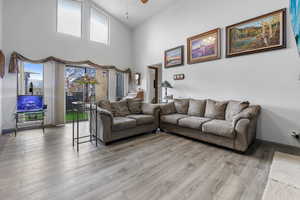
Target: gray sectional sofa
<point x="231" y="124"/>
<point x="118" y="120"/>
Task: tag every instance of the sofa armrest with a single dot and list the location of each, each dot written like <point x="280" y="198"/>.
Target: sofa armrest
<point x="104" y="121"/>
<point x="152" y="109"/>
<point x="249" y="113"/>
<point x="107" y="113"/>
<point x="245" y="128"/>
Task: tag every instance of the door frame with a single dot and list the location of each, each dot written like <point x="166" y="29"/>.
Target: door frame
<point x="85" y="90"/>
<point x="156" y="86"/>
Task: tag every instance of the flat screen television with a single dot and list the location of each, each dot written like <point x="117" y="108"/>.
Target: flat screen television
<point x="29" y="103"/>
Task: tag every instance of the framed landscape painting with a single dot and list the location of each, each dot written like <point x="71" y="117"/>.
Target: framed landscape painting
<point x="204" y="47"/>
<point x="263" y="33"/>
<point x="174" y="57"/>
<point x="295" y="19"/>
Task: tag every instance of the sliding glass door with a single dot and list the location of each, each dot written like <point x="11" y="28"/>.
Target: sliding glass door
<point x="76" y="91"/>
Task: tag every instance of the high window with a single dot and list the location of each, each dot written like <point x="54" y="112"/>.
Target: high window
<point x="69" y="17"/>
<point x="99" y="26"/>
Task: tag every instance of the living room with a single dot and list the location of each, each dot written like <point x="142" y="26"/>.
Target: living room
<point x="149" y="99"/>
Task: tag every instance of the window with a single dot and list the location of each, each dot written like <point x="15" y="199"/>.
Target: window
<point x="120" y="85"/>
<point x="99" y="30"/>
<point x="31" y="79"/>
<point x="69" y="17"/>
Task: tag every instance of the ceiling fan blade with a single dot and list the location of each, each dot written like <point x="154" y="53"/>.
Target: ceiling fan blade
<point x="144" y="1"/>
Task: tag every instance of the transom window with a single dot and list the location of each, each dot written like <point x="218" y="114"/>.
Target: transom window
<point x="99" y="26"/>
<point x="69" y="17"/>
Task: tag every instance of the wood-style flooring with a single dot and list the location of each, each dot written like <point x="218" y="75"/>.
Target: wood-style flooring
<point x="148" y="167"/>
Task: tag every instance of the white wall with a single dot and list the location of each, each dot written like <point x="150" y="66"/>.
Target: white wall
<point x="30" y="29"/>
<point x="269" y="79"/>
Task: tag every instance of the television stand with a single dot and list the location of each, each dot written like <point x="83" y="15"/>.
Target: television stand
<point x="30" y="119"/>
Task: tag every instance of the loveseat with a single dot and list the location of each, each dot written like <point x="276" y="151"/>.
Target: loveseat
<point x="230" y="124"/>
<point x="122" y="119"/>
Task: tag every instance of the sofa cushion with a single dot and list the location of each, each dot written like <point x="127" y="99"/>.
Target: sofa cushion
<point x="219" y="127"/>
<point x="142" y="119"/>
<point x="135" y="106"/>
<point x="120" y="108"/>
<point x="105" y="104"/>
<point x="197" y="108"/>
<point x="172" y="118"/>
<point x="122" y="123"/>
<point x="192" y="122"/>
<point x="235" y="107"/>
<point x="168" y="108"/>
<point x="181" y="105"/>
<point x="215" y="109"/>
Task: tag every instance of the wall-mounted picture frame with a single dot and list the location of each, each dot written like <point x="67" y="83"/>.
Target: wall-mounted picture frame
<point x="174" y="57"/>
<point x="177" y="77"/>
<point x="204" y="47"/>
<point x="295" y="20"/>
<point x="264" y="33"/>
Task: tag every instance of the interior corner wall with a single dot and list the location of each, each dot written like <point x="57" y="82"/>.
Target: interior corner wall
<point x="269" y="79"/>
<point x="29" y="27"/>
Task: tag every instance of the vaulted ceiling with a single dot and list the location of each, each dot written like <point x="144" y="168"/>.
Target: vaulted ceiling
<point x="138" y="12"/>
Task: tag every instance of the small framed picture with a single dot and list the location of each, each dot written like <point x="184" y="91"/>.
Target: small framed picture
<point x="174" y="57"/>
<point x="177" y="77"/>
<point x="204" y="47"/>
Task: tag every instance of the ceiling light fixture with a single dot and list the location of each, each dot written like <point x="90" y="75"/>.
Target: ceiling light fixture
<point x="127" y="10"/>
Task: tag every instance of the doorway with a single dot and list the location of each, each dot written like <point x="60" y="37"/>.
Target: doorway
<point x="154" y="82"/>
<point x="76" y="91"/>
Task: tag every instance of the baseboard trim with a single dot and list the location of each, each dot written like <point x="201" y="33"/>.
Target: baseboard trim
<point x="279" y="144"/>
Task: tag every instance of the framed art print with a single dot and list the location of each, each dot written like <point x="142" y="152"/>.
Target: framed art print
<point x="263" y="33"/>
<point x="295" y="20"/>
<point x="204" y="47"/>
<point x="174" y="57"/>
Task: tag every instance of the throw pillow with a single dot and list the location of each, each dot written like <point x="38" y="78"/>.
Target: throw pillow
<point x="168" y="108"/>
<point x="135" y="106"/>
<point x="197" y="108"/>
<point x="120" y="108"/>
<point x="235" y="107"/>
<point x="105" y="104"/>
<point x="181" y="105"/>
<point x="215" y="109"/>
